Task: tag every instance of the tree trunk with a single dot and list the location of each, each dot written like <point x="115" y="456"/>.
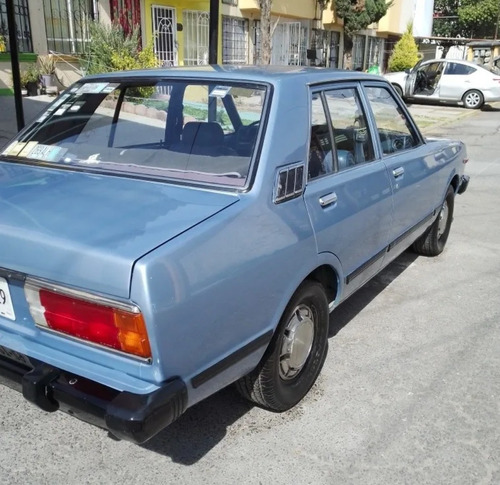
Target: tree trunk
<point x="265" y="31"/>
<point x="348" y="45"/>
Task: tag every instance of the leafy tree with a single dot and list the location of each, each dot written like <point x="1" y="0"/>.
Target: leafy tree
<point x="405" y="53"/>
<point x="465" y="18"/>
<point x="478" y="18"/>
<point x="446" y="18"/>
<point x="358" y="15"/>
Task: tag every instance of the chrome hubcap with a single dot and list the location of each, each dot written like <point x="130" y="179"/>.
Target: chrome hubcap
<point x="297" y="342"/>
<point x="443" y="220"/>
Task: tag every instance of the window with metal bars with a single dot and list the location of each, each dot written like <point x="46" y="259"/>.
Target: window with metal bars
<point x="358" y="52"/>
<point x="67" y="23"/>
<point x="196" y="35"/>
<point x="234" y="40"/>
<point x="23" y="27"/>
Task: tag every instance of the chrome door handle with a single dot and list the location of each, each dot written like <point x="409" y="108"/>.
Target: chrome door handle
<point x="397" y="172"/>
<point x="328" y="199"/>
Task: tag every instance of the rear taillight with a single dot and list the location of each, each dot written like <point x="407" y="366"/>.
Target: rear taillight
<point x="87" y="317"/>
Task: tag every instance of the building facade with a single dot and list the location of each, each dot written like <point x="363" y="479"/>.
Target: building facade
<point x="304" y="32"/>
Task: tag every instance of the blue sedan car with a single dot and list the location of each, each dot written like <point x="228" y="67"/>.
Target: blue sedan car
<point x="167" y="233"/>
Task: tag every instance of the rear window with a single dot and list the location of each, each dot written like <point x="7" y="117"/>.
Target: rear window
<point x="193" y="131"/>
<point x="456" y="69"/>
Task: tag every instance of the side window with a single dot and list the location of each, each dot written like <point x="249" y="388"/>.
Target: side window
<point x="455" y="69"/>
<point x="393" y="126"/>
<point x="352" y="138"/>
<point x="320" y="149"/>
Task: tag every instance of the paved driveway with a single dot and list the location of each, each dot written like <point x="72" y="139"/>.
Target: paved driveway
<point x="409" y="393"/>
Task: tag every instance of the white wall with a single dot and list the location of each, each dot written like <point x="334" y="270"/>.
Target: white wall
<point x="423" y="17"/>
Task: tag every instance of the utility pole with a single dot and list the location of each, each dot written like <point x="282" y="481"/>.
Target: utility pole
<point x="213" y="39"/>
<point x="498" y="21"/>
<point x="14" y="60"/>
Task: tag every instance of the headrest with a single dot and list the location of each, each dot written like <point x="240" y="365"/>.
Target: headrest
<point x="202" y="134"/>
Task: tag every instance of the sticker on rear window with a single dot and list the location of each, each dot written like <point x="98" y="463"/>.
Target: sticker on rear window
<point x="47" y="153"/>
<point x="92" y="88"/>
<point x="14" y="148"/>
<point x="220" y="91"/>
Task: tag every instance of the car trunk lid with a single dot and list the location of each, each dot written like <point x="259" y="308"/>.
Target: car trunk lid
<point x="87" y="230"/>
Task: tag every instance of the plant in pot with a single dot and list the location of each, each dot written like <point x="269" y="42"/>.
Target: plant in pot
<point x="47" y="70"/>
<point x="30" y="80"/>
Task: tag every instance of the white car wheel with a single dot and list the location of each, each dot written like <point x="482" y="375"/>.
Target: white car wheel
<point x="473" y="99"/>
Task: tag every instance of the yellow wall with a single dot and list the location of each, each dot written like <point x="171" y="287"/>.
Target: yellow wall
<point x="180" y="6"/>
<point x="304" y="9"/>
<point x="397" y="17"/>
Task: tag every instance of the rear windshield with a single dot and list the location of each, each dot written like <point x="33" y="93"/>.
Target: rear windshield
<point x="187" y="130"/>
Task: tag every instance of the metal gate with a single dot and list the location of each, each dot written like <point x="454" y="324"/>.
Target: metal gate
<point x="164" y="32"/>
<point x="196" y="35"/>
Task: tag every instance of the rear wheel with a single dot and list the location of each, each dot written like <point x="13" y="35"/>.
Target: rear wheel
<point x="473" y="99"/>
<point x="433" y="241"/>
<point x="295" y="355"/>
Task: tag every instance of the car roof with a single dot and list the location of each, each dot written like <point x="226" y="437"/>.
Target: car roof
<point x="458" y="61"/>
<point x="268" y="74"/>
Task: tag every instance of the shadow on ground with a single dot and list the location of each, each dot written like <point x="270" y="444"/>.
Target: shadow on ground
<point x="489" y="108"/>
<point x="203" y="426"/>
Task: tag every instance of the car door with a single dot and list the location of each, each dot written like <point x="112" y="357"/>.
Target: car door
<point x="412" y="170"/>
<point x="424" y="80"/>
<point x="457" y="79"/>
<point x="348" y="195"/>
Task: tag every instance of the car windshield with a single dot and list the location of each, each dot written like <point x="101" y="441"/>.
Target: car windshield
<point x="194" y="131"/>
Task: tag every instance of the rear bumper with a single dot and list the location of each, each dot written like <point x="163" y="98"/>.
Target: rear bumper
<point x="464" y="183"/>
<point x="128" y="416"/>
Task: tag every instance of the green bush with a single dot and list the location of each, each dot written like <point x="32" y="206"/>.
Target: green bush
<point x="405" y="53"/>
<point x="111" y="50"/>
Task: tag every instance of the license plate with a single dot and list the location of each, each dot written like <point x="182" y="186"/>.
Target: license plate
<point x="16" y="356"/>
<point x="6" y="306"/>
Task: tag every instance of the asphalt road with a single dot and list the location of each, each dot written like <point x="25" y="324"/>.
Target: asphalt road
<point x="409" y="393"/>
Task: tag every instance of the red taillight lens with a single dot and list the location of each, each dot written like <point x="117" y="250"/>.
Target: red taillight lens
<point x="101" y="324"/>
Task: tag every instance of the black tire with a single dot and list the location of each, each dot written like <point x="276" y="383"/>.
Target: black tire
<point x="398" y="90"/>
<point x="275" y="384"/>
<point x="433" y="241"/>
<point x="473" y="99"/>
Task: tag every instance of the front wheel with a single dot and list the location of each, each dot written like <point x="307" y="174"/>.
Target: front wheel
<point x="473" y="99"/>
<point x="295" y="355"/>
<point x="433" y="241"/>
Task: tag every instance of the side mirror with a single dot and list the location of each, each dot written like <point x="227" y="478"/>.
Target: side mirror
<point x="408" y="71"/>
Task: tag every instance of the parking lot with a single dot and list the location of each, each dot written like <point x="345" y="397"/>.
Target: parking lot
<point x="409" y="393"/>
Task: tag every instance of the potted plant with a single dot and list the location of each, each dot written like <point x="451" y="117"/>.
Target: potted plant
<point x="30" y="80"/>
<point x="47" y="70"/>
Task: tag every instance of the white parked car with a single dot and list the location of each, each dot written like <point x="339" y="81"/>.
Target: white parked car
<point x="447" y="81"/>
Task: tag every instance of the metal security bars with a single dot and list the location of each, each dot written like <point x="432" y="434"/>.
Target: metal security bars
<point x="67" y="23"/>
<point x="196" y="35"/>
<point x="22" y="16"/>
<point x="234" y="40"/>
<point x="289" y="42"/>
<point x="164" y="32"/>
